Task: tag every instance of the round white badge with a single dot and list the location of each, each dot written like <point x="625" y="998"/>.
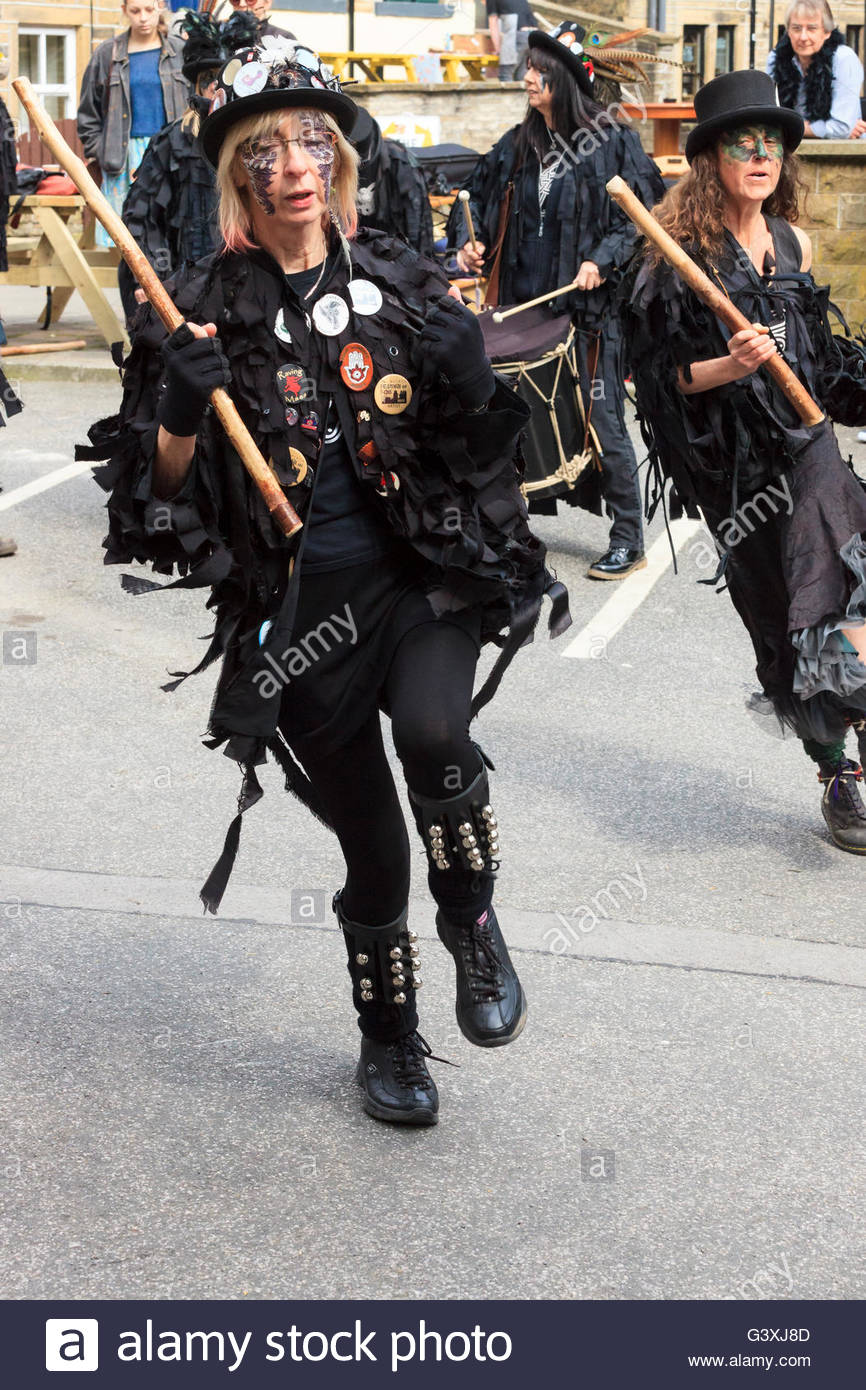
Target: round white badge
<point x="280" y="329"/>
<point x="251" y="79"/>
<point x="365" y="296"/>
<point x="330" y="315"/>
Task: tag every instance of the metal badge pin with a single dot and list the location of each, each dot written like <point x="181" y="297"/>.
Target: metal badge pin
<point x="392" y="394"/>
<point x="365" y="296"/>
<point x="330" y="315"/>
<point x="356" y="366"/>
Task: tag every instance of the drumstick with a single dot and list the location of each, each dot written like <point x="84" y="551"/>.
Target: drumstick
<point x="281" y="510"/>
<point x="463" y="195"/>
<point x="499" y="315"/>
<point x="808" y="410"/>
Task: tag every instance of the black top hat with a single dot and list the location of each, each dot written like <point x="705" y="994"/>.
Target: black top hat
<point x="203" y="50"/>
<point x="736" y="99"/>
<point x="276" y="74"/>
<point x="565" y="42"/>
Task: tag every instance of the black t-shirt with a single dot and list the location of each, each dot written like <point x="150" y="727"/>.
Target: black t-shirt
<point x="525" y="18"/>
<point x="343" y="525"/>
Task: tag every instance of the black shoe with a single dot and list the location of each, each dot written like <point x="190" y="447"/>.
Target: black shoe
<point x="617" y="563"/>
<point x="842" y="806"/>
<point x="397" y="1085"/>
<point x="491" y="1005"/>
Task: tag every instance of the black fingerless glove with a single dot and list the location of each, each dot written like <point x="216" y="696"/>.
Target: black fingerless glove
<point x="194" y="367"/>
<point x="452" y="342"/>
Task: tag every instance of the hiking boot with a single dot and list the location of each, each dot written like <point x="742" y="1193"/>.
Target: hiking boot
<point x="842" y="806"/>
<point x="397" y="1085"/>
<point x="491" y="1005"/>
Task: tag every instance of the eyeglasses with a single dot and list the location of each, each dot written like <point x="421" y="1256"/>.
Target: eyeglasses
<point x="320" y="148"/>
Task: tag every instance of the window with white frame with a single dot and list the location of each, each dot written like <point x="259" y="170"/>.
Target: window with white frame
<point x="47" y="57"/>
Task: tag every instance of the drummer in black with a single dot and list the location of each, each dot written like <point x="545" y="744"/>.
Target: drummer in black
<point x="538" y="199"/>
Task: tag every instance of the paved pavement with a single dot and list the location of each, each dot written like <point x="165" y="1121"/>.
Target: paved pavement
<point x="682" y="1117"/>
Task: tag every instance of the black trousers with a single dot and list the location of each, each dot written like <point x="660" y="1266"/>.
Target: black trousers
<point x="619" y="470"/>
<point x="427" y="689"/>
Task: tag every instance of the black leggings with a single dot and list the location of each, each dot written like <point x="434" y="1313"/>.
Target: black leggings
<point x="428" y="691"/>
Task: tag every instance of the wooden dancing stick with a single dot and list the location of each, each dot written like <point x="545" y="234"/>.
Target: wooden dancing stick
<point x="808" y="410"/>
<point x="500" y="314"/>
<point x="23" y="349"/>
<point x="275" y="499"/>
<point x="463" y="195"/>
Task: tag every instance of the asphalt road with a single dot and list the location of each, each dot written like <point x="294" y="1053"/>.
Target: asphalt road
<point x="682" y="1117"/>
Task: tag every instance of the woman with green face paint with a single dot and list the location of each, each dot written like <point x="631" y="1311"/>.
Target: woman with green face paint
<point x="787" y="514"/>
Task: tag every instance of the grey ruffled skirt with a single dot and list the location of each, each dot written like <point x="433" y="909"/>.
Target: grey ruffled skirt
<point x="825" y="659"/>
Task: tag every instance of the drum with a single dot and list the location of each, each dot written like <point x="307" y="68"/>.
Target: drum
<point x="536" y="353"/>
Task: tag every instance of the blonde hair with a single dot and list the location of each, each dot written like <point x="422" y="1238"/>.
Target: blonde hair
<point x="234" y="216"/>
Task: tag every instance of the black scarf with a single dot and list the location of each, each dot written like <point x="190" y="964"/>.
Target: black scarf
<point x="819" y="77"/>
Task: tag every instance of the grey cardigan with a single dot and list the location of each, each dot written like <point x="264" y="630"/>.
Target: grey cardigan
<point x="104" y="109"/>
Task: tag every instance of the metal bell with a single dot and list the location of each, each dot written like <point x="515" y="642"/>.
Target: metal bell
<point x="400" y="998"/>
<point x="399" y="980"/>
<point x="361" y="958"/>
<point x="366" y="995"/>
<point x="466" y="828"/>
<point x="434" y="830"/>
<point x="412" y="935"/>
<point x="396" y="967"/>
<point x="396" y="953"/>
<point x="414" y="951"/>
<point x="417" y="982"/>
<point x="366" y="983"/>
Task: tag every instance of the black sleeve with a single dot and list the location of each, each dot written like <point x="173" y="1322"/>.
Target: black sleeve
<point x="90" y="117"/>
<point x="615" y="247"/>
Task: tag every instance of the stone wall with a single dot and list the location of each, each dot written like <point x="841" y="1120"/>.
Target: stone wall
<point x="471" y="113"/>
<point x="835" y="219"/>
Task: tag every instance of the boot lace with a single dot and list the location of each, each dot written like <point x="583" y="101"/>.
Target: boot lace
<point x="844" y="787"/>
<point x="409" y="1060"/>
<point x="483" y="966"/>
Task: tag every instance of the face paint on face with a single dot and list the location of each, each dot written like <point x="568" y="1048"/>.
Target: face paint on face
<point x="318" y="142"/>
<point x="763" y="141"/>
<point x="259" y="159"/>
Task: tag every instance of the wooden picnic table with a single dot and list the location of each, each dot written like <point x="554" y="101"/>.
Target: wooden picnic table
<point x="373" y="64"/>
<point x="57" y="259"/>
<point x="666" y="117"/>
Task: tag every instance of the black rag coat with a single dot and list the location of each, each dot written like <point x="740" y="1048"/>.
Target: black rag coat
<point x="171" y="206"/>
<point x="734" y="451"/>
<point x="590" y="225"/>
<point x="447" y="483"/>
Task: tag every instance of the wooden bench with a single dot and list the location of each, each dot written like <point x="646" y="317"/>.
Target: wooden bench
<point x="55" y="258"/>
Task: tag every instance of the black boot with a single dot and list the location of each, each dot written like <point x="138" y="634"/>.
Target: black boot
<point x="384" y="965"/>
<point x="461" y="836"/>
<point x="397" y="1085"/>
<point x="842" y="806"/>
<point x="491" y="1005"/>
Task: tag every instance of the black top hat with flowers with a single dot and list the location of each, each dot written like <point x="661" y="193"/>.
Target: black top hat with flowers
<point x="203" y="50"/>
<point x="565" y="42"/>
<point x="275" y="74"/>
<point x="747" y="97"/>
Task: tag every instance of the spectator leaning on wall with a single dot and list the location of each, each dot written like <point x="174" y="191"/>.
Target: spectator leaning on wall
<point x="817" y="74"/>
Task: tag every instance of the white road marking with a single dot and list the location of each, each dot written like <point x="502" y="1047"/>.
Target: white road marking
<point x="60" y="475"/>
<point x="592" y="641"/>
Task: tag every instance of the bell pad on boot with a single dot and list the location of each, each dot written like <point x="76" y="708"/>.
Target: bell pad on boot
<point x="459" y="830"/>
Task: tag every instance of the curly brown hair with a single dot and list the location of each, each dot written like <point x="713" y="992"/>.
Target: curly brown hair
<point x="692" y="212"/>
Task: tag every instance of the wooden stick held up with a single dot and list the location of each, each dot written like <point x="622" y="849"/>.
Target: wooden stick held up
<point x="463" y="195"/>
<point x="275" y="499"/>
<point x="500" y="314"/>
<point x="808" y="410"/>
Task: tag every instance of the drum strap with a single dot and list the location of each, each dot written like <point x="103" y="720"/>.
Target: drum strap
<point x="593" y="353"/>
<point x="492" y="296"/>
